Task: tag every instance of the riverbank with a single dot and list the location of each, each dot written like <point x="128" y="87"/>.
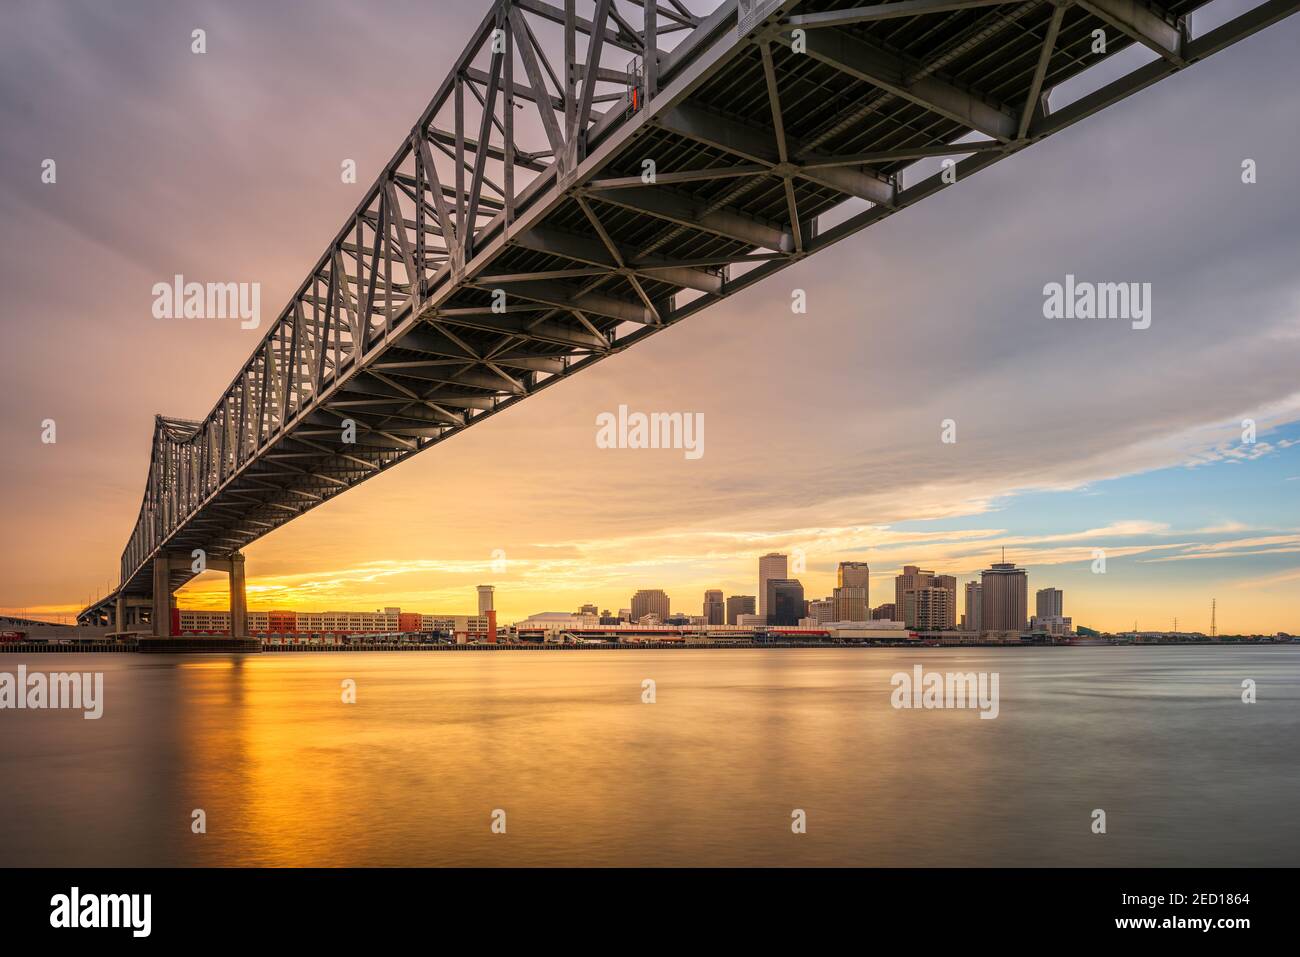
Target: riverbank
<point x="178" y="646"/>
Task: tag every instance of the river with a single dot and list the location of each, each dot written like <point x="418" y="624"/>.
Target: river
<point x="713" y="772"/>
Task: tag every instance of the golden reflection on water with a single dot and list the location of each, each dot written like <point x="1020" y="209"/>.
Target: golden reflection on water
<point x="290" y="775"/>
<point x="563" y="743"/>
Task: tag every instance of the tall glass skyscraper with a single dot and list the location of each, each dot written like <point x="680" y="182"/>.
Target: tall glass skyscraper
<point x="784" y="601"/>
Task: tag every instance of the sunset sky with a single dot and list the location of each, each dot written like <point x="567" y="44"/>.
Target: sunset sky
<point x="822" y="431"/>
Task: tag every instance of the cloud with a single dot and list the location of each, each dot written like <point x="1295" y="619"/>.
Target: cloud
<point x="823" y="427"/>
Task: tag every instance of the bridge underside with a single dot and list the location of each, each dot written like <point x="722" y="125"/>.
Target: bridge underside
<point x="483" y="267"/>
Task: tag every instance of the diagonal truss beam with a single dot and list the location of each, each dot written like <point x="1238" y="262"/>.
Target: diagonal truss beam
<point x="595" y="253"/>
<point x="884" y="11"/>
<point x="757" y="146"/>
<point x="1034" y="105"/>
<point x="1141" y="23"/>
<point x="684" y="210"/>
<point x="889" y="71"/>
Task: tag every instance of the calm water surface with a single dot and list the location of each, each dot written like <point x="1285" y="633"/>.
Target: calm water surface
<point x="707" y="775"/>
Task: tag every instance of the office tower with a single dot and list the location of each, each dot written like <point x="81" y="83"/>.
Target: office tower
<point x="885" y="612"/>
<point x="931" y="608"/>
<point x="772" y="565"/>
<point x="822" y="611"/>
<point x="973" y="619"/>
<point x="853" y="575"/>
<point x="1050" y="602"/>
<point x="650" y="601"/>
<point x="852" y="592"/>
<point x="924" y="611"/>
<point x="949" y="584"/>
<point x="486" y="595"/>
<point x="940" y="612"/>
<point x="785" y="604"/>
<point x="588" y="610"/>
<point x="908" y="607"/>
<point x="625" y="614"/>
<point x="851" y="603"/>
<point x="1004" y="597"/>
<point x="738" y="605"/>
<point x="911" y="578"/>
<point x="714" y="607"/>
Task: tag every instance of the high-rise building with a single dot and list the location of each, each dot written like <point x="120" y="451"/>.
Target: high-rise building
<point x="853" y="575"/>
<point x="738" y="605"/>
<point x="912" y="577"/>
<point x="925" y="612"/>
<point x="588" y="609"/>
<point x="851" y="603"/>
<point x="973" y="619"/>
<point x="822" y="611"/>
<point x="770" y="566"/>
<point x="885" y="612"/>
<point x="852" y="592"/>
<point x="931" y="608"/>
<point x="486" y="595"/>
<point x="650" y="601"/>
<point x="785" y="604"/>
<point x="1004" y="597"/>
<point x="1050" y="602"/>
<point x="715" y="610"/>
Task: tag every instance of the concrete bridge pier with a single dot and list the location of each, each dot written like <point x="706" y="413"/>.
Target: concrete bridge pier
<point x="238" y="597"/>
<point x="162" y="595"/>
<point x="163" y="602"/>
<point x="129" y="612"/>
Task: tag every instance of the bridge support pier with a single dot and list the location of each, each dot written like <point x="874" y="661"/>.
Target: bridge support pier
<point x="161" y="617"/>
<point x="163" y="639"/>
<point x="128" y="612"/>
<point x="238" y="598"/>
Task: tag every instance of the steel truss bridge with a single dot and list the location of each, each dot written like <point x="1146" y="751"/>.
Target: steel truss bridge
<point x="517" y="235"/>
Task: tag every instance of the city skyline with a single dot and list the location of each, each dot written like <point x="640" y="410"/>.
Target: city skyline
<point x="539" y="582"/>
<point x="306" y="592"/>
<point x="1048" y="604"/>
<point x="842" y="460"/>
